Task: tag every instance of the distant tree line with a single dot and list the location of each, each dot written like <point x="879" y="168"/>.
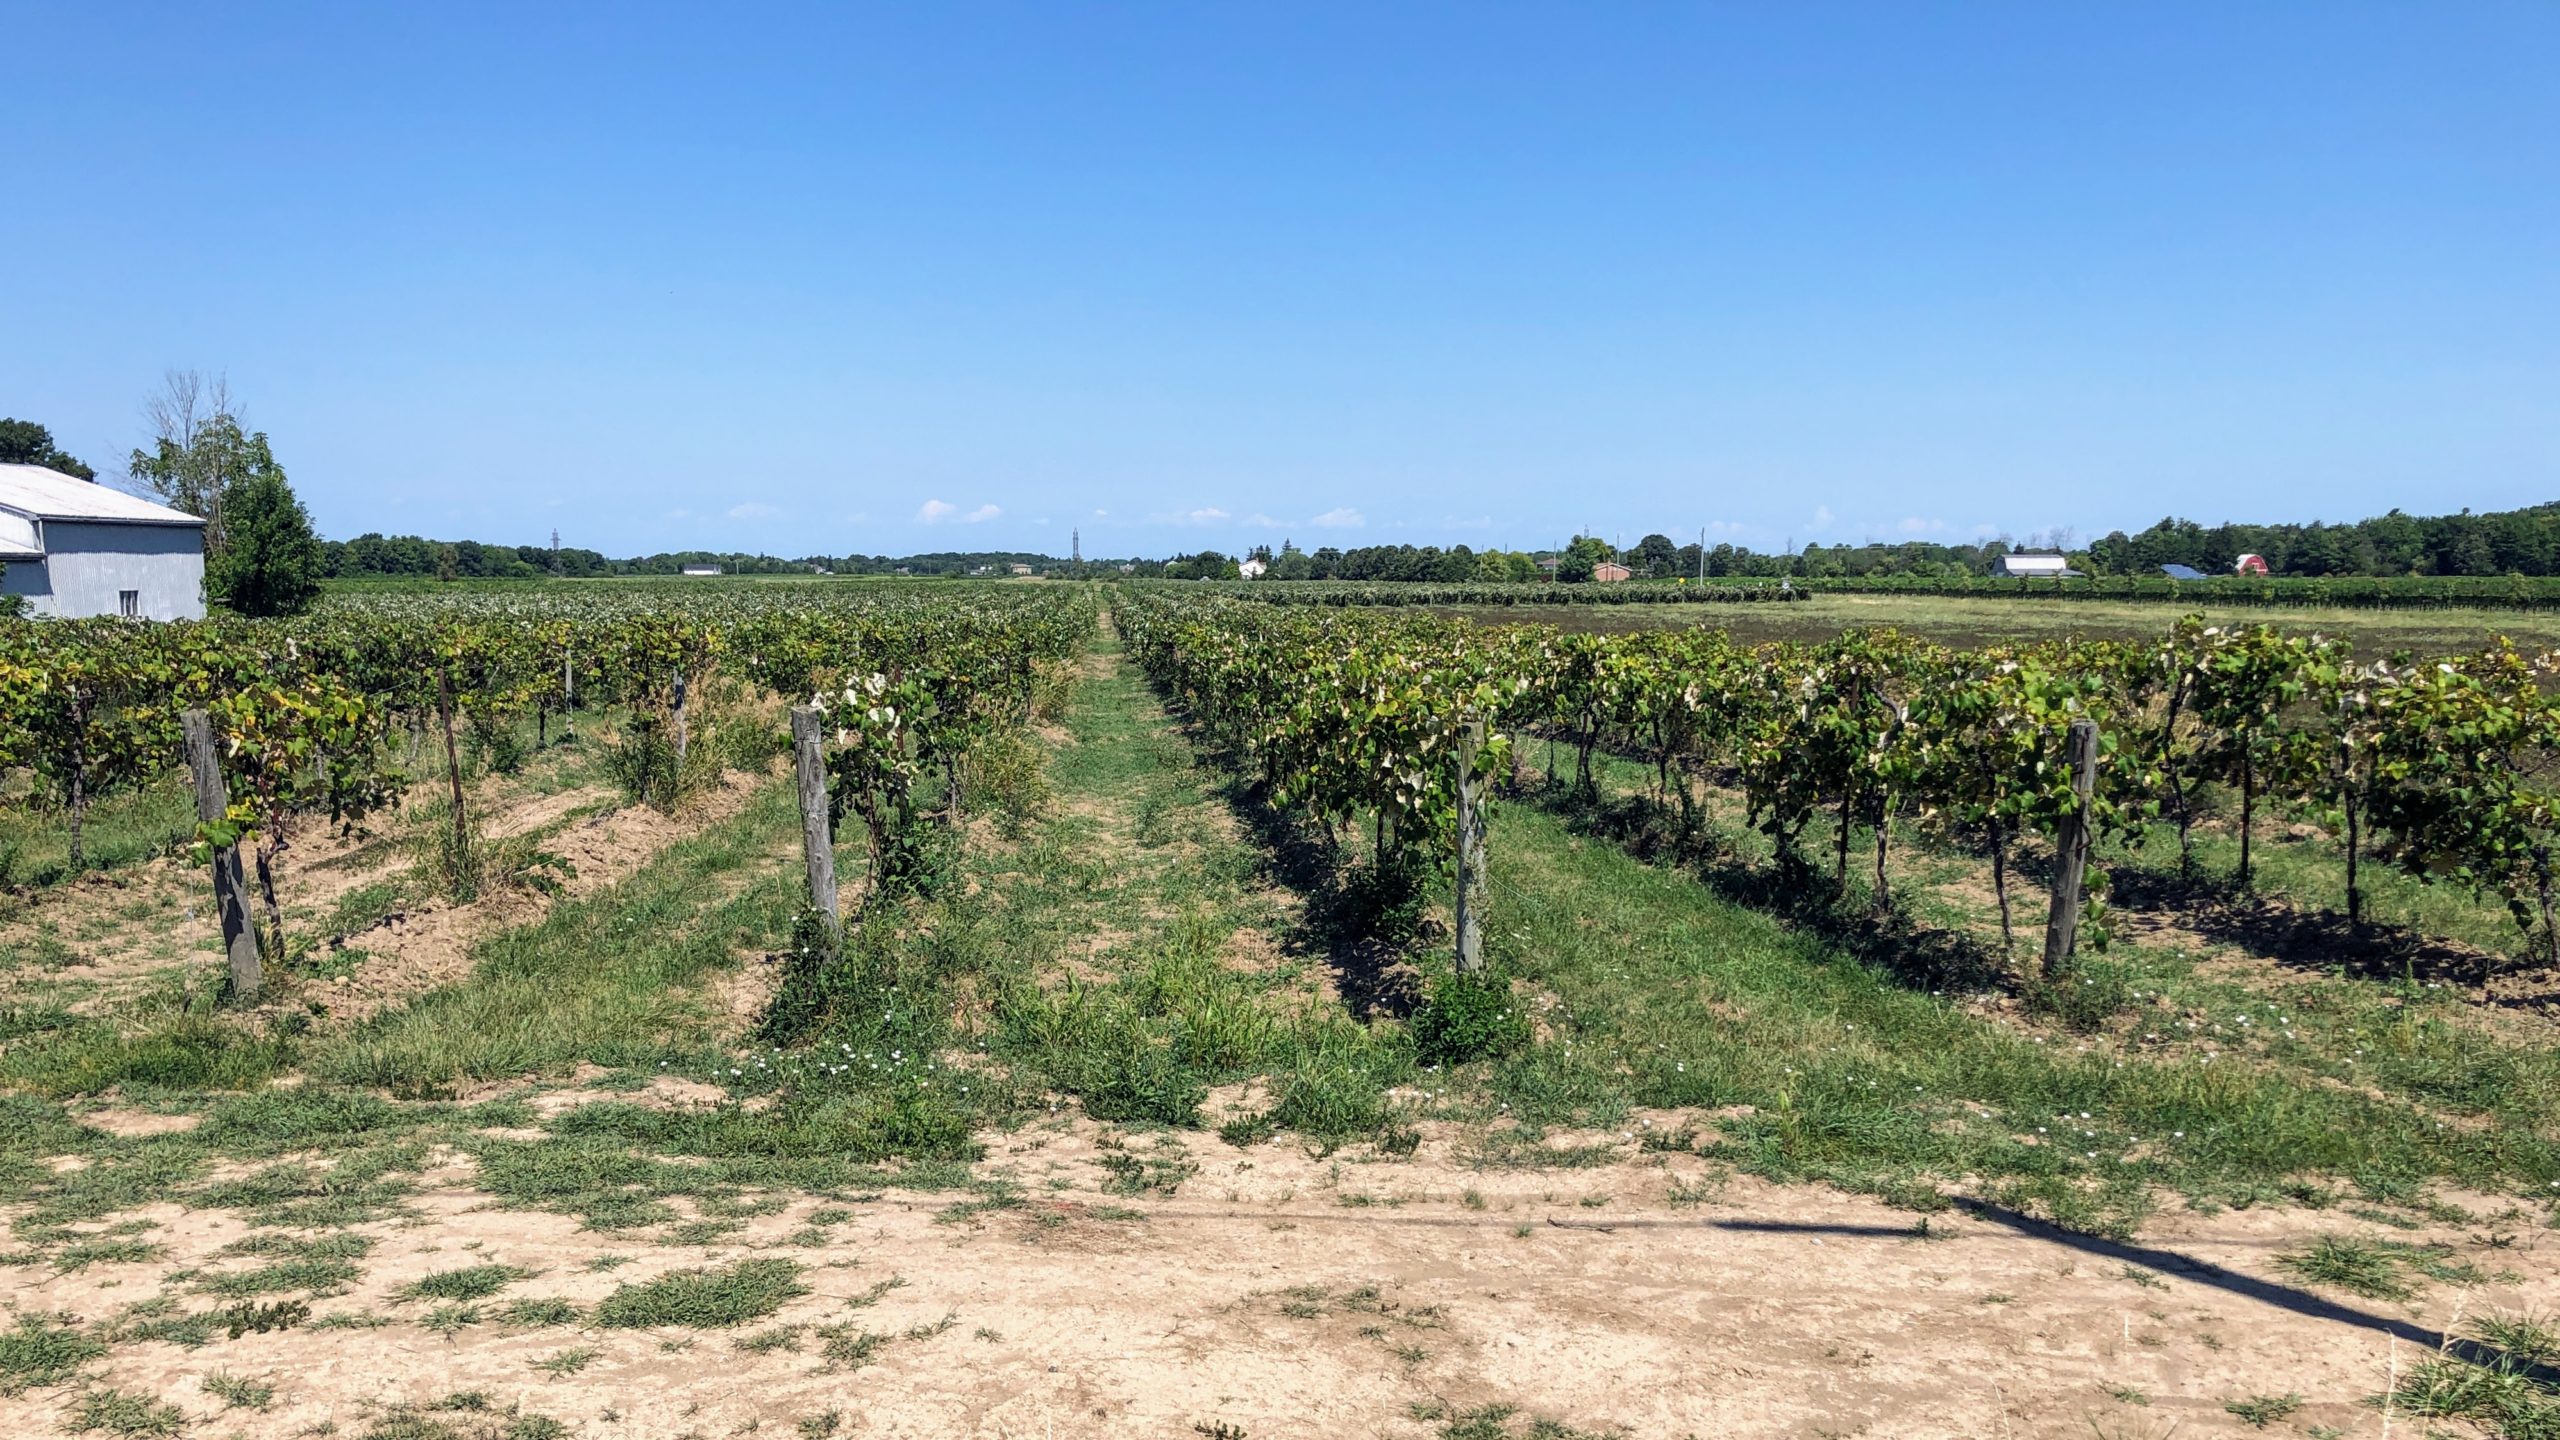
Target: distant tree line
<point x="2504" y="542"/>
<point x="202" y="457"/>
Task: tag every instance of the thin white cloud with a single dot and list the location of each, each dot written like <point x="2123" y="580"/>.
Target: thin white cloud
<point x="983" y="512"/>
<point x="1260" y="519"/>
<point x="1821" y="517"/>
<point x="1210" y="515"/>
<point x="933" y="510"/>
<point x="679" y="513"/>
<point x="1481" y="522"/>
<point x="1341" y="517"/>
<point x="1914" y="525"/>
<point x="754" y="510"/>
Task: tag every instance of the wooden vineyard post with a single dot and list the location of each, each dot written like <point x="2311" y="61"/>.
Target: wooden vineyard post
<point x="2071" y="850"/>
<point x="682" y="735"/>
<point x="1470" y="906"/>
<point x="817" y="838"/>
<point x="569" y="702"/>
<point x="230" y="886"/>
<point x="452" y="760"/>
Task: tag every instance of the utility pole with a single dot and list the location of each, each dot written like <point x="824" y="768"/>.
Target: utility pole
<point x="1702" y="554"/>
<point x="555" y="552"/>
<point x="1075" y="551"/>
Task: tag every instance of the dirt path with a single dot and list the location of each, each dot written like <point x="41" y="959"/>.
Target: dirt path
<point x="1284" y="1294"/>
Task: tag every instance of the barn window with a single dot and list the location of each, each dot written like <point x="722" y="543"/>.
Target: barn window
<point x="130" y="602"/>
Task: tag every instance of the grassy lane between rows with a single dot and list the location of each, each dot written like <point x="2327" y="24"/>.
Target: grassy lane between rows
<point x="613" y="979"/>
<point x="1821" y="1066"/>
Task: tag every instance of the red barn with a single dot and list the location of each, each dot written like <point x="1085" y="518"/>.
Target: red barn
<point x="2250" y="565"/>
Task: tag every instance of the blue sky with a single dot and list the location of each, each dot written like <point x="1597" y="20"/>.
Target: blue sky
<point x="840" y="278"/>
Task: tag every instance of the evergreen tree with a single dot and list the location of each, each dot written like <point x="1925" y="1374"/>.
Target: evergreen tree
<point x="272" y="564"/>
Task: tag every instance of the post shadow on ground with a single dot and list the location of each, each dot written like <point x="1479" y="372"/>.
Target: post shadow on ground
<point x="2293" y="1299"/>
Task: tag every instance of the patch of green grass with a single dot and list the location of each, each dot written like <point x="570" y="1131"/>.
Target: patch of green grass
<point x="2378" y="1269"/>
<point x="2510" y="1395"/>
<point x="238" y="1392"/>
<point x="119" y="1412"/>
<point x="850" y="1346"/>
<point x="307" y="1274"/>
<point x="2261" y="1411"/>
<point x="471" y="1282"/>
<point x="336" y="1245"/>
<point x="567" y="1362"/>
<point x="43" y="1350"/>
<point x="703" y="1299"/>
<point x="538" y="1313"/>
<point x="359" y="1185"/>
<point x="700" y="1232"/>
<point x="766" y="1342"/>
<point x="81" y="1254"/>
<point x="182" y="1051"/>
<point x="480" y="1420"/>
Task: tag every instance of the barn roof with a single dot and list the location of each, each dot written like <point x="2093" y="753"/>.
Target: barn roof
<point x="42" y="494"/>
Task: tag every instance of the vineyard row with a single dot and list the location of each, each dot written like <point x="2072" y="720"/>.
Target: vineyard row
<point x="2442" y="769"/>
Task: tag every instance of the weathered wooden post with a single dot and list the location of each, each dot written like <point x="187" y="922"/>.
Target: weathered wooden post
<point x="817" y="836"/>
<point x="230" y="886"/>
<point x="452" y="762"/>
<point x="683" y="735"/>
<point x="1471" y="795"/>
<point x="2071" y="850"/>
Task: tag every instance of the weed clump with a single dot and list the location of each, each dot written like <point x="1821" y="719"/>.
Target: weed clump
<point x="118" y="1412"/>
<point x="714" y="1298"/>
<point x="471" y="1282"/>
<point x="1468" y="1017"/>
<point x="2085" y="997"/>
<point x="43" y="1350"/>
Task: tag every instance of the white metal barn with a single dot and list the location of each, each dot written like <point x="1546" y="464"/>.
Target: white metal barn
<point x="75" y="548"/>
<point x="2047" y="566"/>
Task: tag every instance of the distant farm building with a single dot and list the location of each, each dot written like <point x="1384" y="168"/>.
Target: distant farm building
<point x="2250" y="565"/>
<point x="2041" y="567"/>
<point x="702" y="570"/>
<point x="2182" y="572"/>
<point x="1251" y="569"/>
<point x="1609" y="572"/>
<point x="77" y="549"/>
<point x="1021" y="569"/>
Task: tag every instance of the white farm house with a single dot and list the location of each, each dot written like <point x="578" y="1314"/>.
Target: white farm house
<point x="76" y="549"/>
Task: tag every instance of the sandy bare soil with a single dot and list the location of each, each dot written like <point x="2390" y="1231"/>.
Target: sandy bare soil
<point x="1288" y="1294"/>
